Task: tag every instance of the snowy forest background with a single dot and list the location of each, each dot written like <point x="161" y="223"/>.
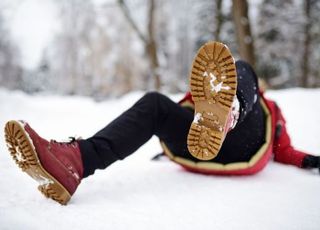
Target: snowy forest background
<point x="104" y="48"/>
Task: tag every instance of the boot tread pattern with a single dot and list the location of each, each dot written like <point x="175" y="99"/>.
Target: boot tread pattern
<point x="213" y="86"/>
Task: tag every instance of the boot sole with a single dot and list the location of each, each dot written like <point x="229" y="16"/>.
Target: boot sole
<point x="213" y="84"/>
<point x="24" y="154"/>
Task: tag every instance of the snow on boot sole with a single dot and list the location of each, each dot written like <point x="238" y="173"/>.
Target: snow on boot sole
<point x="213" y="84"/>
<point x="24" y="154"/>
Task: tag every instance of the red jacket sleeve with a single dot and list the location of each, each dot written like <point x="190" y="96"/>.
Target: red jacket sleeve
<point x="283" y="151"/>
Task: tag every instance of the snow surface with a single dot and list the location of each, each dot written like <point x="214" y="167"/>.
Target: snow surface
<point x="141" y="194"/>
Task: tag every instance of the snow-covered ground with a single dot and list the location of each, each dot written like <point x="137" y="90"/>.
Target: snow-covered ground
<point x="141" y="194"/>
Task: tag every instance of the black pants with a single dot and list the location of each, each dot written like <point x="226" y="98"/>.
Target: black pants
<point x="156" y="114"/>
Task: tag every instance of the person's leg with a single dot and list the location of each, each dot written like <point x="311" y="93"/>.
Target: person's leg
<point x="247" y="89"/>
<point x="59" y="167"/>
<point x="247" y="137"/>
<point x="153" y="114"/>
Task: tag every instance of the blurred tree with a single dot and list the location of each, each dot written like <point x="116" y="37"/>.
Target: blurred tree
<point x="208" y="21"/>
<point x="11" y="72"/>
<point x="149" y="40"/>
<point x="98" y="52"/>
<point x="89" y="55"/>
<point x="205" y="21"/>
<point x="280" y="42"/>
<point x="314" y="49"/>
<point x="219" y="19"/>
<point x="70" y="47"/>
<point x="182" y="36"/>
<point x="307" y="40"/>
<point x="243" y="30"/>
<point x="76" y="55"/>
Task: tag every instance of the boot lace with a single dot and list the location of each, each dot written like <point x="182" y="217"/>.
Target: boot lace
<point x="70" y="142"/>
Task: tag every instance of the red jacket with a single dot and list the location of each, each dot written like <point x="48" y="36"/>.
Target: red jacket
<point x="277" y="144"/>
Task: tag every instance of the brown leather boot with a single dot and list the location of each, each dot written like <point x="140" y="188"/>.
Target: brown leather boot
<point x="213" y="84"/>
<point x="56" y="166"/>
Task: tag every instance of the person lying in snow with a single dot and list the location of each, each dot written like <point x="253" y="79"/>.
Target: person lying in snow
<point x="234" y="130"/>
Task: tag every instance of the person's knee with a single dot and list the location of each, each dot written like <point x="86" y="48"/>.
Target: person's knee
<point x="242" y="65"/>
<point x="156" y="99"/>
<point x="245" y="69"/>
<point x="153" y="96"/>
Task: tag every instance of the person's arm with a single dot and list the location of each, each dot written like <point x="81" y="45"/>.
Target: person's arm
<point x="285" y="153"/>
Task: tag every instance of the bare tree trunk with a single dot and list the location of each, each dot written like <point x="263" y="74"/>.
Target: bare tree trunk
<point x="218" y="15"/>
<point x="149" y="41"/>
<point x="243" y="30"/>
<point x="152" y="46"/>
<point x="306" y="52"/>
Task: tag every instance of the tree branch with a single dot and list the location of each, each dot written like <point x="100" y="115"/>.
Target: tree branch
<point x="126" y="12"/>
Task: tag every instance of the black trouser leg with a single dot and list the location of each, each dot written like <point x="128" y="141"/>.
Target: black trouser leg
<point x="246" y="138"/>
<point x="153" y="114"/>
<point x="247" y="90"/>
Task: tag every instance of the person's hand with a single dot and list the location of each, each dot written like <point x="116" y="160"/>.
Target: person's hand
<point x="310" y="161"/>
